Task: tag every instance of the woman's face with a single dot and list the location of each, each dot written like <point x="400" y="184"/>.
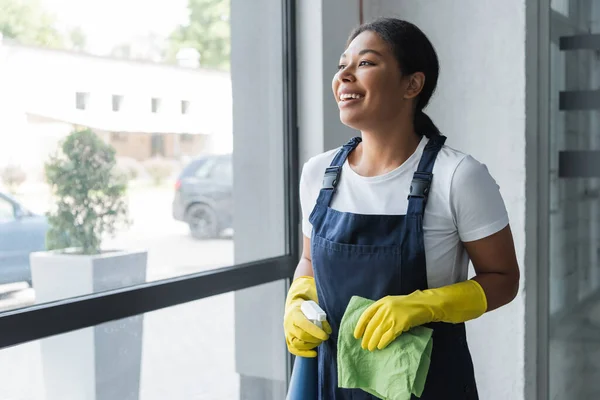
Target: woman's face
<point x="368" y="86"/>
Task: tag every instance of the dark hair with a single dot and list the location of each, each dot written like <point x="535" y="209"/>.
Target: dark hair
<point x="414" y="53"/>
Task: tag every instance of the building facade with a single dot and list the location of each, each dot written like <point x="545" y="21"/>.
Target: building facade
<point x="143" y="109"/>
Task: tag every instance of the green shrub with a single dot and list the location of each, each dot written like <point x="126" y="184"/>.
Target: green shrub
<point x="90" y="196"/>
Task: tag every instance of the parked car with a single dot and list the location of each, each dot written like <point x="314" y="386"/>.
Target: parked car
<point x="204" y="198"/>
<point x="21" y="232"/>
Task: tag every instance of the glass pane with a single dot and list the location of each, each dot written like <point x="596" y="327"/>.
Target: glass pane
<point x="574" y="216"/>
<point x="142" y="187"/>
<point x="561" y="6"/>
<point x="192" y="351"/>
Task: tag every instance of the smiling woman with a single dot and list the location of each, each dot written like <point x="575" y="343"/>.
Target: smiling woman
<point x="399" y="229"/>
<point x="385" y="49"/>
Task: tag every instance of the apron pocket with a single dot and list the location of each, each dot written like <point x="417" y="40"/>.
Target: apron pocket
<point x="320" y="241"/>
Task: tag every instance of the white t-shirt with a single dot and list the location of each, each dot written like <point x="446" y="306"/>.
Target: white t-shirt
<point x="464" y="204"/>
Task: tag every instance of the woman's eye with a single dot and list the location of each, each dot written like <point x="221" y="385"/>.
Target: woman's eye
<point x="362" y="63"/>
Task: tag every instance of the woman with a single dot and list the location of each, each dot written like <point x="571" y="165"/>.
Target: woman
<point x="395" y="216"/>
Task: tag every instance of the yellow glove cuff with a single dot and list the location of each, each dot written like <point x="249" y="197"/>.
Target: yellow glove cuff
<point x="302" y="288"/>
<point x="458" y="303"/>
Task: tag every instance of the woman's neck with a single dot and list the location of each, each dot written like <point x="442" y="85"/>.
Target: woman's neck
<point x="382" y="151"/>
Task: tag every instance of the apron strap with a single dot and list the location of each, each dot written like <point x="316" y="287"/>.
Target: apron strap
<point x="421" y="182"/>
<point x="333" y="172"/>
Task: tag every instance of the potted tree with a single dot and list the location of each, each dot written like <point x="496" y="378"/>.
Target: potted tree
<point x="101" y="362"/>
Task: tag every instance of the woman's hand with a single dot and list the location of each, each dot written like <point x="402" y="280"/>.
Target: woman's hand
<point x="301" y="335"/>
<point x="387" y="318"/>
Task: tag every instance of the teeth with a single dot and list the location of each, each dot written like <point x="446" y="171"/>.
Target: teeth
<point x="346" y="96"/>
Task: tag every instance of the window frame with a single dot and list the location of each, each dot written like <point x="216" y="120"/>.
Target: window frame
<point x="44" y="320"/>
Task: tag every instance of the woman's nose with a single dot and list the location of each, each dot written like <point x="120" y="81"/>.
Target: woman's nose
<point x="346" y="75"/>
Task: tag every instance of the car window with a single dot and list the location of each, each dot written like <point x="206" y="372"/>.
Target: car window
<point x="7" y="211"/>
<point x="204" y="170"/>
<point x="223" y="172"/>
<point x="191" y="168"/>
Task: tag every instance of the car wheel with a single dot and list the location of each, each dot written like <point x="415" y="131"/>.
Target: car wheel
<point x="202" y="221"/>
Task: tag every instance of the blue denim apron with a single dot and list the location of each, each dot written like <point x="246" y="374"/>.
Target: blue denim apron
<point x="373" y="256"/>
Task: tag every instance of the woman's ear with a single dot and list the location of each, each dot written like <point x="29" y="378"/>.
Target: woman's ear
<point x="415" y="83"/>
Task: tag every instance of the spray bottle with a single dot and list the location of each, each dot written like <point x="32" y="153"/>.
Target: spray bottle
<point x="304" y="381"/>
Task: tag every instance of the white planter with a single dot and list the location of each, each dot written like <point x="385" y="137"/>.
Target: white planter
<point x="99" y="363"/>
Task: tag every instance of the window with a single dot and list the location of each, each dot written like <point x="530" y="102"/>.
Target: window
<point x="170" y="239"/>
<point x="569" y="211"/>
<point x="205" y="167"/>
<point x="185" y="107"/>
<point x="561" y="6"/>
<point x="189" y="353"/>
<point x="82" y="100"/>
<point x="222" y="171"/>
<point x="156" y="104"/>
<point x="117" y="102"/>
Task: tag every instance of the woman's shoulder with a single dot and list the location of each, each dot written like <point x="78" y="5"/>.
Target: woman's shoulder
<point x="450" y="154"/>
<point x="456" y="171"/>
<point x="452" y="161"/>
<point x="314" y="167"/>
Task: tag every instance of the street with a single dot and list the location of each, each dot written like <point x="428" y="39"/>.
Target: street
<point x="188" y="350"/>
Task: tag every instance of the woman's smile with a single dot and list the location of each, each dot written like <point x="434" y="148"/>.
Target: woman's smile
<point x="349" y="99"/>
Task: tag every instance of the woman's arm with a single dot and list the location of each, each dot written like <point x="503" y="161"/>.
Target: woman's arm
<point x="304" y="267"/>
<point x="301" y="335"/>
<point x="496" y="267"/>
<point x="495" y="285"/>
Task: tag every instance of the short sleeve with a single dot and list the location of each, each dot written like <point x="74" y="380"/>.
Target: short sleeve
<point x="307" y="200"/>
<point x="475" y="200"/>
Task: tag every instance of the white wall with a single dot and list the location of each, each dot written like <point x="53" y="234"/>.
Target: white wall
<point x="322" y="29"/>
<point x="479" y="105"/>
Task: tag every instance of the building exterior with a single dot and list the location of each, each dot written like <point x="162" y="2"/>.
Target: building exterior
<point x="143" y="109"/>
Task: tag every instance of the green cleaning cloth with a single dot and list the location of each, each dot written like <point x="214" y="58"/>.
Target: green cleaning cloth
<point x="393" y="373"/>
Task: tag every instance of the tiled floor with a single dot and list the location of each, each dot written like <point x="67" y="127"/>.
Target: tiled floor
<point x="575" y="356"/>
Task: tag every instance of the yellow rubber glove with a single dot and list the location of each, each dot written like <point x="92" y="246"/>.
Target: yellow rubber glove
<point x="301" y="335"/>
<point x="387" y="318"/>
